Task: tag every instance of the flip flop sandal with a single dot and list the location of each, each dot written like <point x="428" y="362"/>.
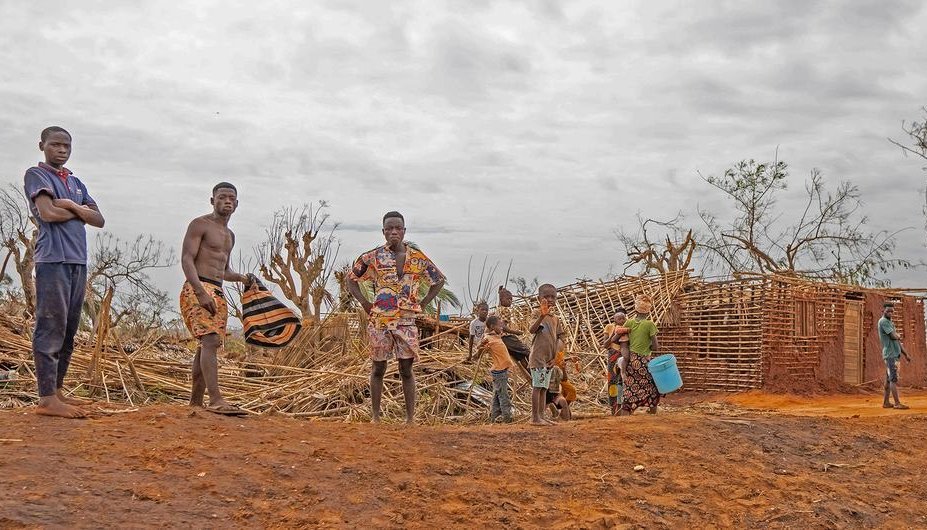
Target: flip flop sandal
<point x="227" y="410"/>
<point x="901" y="406"/>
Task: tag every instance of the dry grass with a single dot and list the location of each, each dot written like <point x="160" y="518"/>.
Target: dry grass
<point x="324" y="374"/>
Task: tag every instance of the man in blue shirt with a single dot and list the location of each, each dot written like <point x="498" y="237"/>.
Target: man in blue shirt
<point x="61" y="206"/>
<point x="891" y="354"/>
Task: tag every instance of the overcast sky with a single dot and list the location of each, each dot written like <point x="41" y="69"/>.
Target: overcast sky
<point x="515" y="130"/>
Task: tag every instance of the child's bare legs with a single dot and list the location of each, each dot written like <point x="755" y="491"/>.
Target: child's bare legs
<point x="52" y="406"/>
<point x="538" y="397"/>
<point x="565" y="414"/>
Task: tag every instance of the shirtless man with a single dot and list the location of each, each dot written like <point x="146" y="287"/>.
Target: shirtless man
<point x="205" y="261"/>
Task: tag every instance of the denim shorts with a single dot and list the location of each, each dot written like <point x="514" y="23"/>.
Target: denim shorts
<point x="540" y="377"/>
<point x="891" y="369"/>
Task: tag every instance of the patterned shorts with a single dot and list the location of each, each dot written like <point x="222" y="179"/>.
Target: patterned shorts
<point x="540" y="377"/>
<point x="891" y="370"/>
<point x="197" y="319"/>
<point x="401" y="343"/>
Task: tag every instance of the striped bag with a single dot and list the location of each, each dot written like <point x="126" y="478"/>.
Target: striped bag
<point x="266" y="321"/>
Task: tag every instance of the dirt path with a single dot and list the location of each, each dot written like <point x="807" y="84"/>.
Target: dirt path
<point x="707" y="464"/>
<point x="839" y="405"/>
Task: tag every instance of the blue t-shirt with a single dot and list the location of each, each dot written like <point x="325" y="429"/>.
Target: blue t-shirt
<point x="58" y="242"/>
<point x="891" y="348"/>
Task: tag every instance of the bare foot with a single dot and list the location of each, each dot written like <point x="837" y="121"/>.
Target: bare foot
<point x="652" y="410"/>
<point x="539" y="423"/>
<point x="52" y="406"/>
<point x="375" y="419"/>
<point x="71" y="400"/>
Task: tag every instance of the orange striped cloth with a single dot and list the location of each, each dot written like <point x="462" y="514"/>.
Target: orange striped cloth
<point x="266" y="321"/>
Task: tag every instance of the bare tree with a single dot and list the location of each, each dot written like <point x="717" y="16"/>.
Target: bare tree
<point x="917" y="135"/>
<point x="524" y="286"/>
<point x="740" y="244"/>
<point x="18" y="231"/>
<point x="124" y="267"/>
<point x="298" y="255"/>
<point x="673" y="253"/>
<point x="828" y="238"/>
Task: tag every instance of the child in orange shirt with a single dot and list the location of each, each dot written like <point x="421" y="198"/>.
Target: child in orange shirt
<point x="501" y="363"/>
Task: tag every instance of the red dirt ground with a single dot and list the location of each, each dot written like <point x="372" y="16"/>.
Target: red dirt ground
<point x="716" y="461"/>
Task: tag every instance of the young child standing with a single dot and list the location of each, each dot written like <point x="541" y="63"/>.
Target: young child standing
<point x="501" y="363"/>
<point x="62" y="209"/>
<point x="546" y="331"/>
<point x="559" y="406"/>
<point x="478" y="327"/>
<point x="517" y="349"/>
<point x="615" y="344"/>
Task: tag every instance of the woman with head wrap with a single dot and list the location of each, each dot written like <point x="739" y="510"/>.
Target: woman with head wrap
<point x="639" y="388"/>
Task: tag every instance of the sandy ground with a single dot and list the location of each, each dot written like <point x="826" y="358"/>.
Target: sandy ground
<point x="747" y="461"/>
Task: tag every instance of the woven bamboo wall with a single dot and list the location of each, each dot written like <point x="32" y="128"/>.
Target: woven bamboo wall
<point x="776" y="332"/>
<point x="586" y="307"/>
<point x="803" y="320"/>
<point x="718" y="339"/>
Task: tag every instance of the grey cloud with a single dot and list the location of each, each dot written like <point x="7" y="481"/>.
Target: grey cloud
<point x="466" y="115"/>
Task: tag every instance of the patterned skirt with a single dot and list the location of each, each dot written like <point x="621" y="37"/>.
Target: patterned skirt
<point x="639" y="389"/>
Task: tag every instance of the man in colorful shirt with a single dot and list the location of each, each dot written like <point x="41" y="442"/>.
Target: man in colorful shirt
<point x="62" y="207"/>
<point x="396" y="270"/>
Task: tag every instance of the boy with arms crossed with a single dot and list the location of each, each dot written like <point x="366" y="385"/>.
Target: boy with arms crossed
<point x="61" y="206"/>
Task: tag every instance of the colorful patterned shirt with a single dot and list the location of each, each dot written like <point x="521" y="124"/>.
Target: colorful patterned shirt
<point x="396" y="300"/>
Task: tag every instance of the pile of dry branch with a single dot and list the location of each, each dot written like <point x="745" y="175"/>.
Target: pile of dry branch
<point x="323" y="374"/>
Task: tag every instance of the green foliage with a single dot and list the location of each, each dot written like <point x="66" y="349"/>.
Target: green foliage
<point x="827" y="238"/>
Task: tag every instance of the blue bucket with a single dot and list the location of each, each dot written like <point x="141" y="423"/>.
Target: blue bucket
<point x="665" y="374"/>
